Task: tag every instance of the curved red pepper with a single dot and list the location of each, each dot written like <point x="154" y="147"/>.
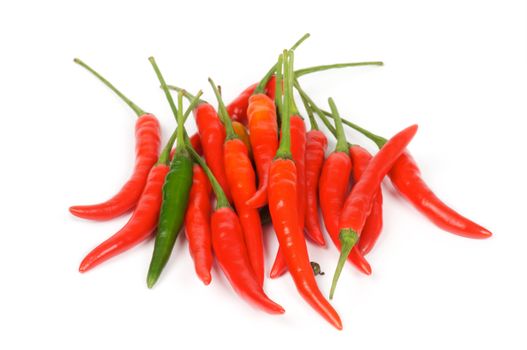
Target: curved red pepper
<point x="263" y="133"/>
<point x="373" y="225"/>
<point x="147" y="133"/>
<point x="212" y="135"/>
<point x="229" y="248"/>
<point x="283" y="205"/>
<point x="406" y="177"/>
<point x="333" y="188"/>
<point x="358" y="205"/>
<point x="197" y="224"/>
<point x="140" y="226"/>
<point x="316" y="144"/>
<point x="242" y="182"/>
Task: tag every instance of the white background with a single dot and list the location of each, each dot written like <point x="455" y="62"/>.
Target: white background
<point x="457" y="68"/>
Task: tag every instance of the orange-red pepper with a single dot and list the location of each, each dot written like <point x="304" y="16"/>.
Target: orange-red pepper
<point x="263" y="133"/>
<point x="242" y="182"/>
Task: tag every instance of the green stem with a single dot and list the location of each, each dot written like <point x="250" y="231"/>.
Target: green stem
<point x="221" y="198"/>
<point x="132" y="105"/>
<point x="186" y="94"/>
<point x="163" y="86"/>
<point x="312" y="121"/>
<point x="317" y="110"/>
<point x="260" y="88"/>
<point x="342" y="143"/>
<point x="164" y="157"/>
<point x="284" y="150"/>
<point x="314" y="69"/>
<point x="347" y="238"/>
<point x="299" y="41"/>
<point x="180" y="123"/>
<point x="278" y="86"/>
<point x="224" y="115"/>
<point x="378" y="140"/>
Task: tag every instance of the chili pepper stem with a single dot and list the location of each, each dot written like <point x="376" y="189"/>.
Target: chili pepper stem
<point x="342" y="144"/>
<point x="164" y="157"/>
<point x="312" y="121"/>
<point x="224" y="115"/>
<point x="284" y="149"/>
<point x="347" y="238"/>
<point x="310" y="70"/>
<point x="132" y="105"/>
<point x="163" y="85"/>
<point x="279" y="87"/>
<point x="378" y="140"/>
<point x="317" y="110"/>
<point x="260" y="88"/>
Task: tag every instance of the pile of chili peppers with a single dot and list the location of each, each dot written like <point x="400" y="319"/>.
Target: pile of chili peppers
<point x="261" y="164"/>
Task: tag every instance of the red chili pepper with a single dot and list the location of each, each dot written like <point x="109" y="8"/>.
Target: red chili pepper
<point x="359" y="202"/>
<point x="197" y="224"/>
<point x="242" y="182"/>
<point x="406" y="177"/>
<point x="147" y="147"/>
<point x="333" y="187"/>
<point x="283" y="205"/>
<point x="212" y="135"/>
<point x="229" y="247"/>
<point x="263" y="133"/>
<point x="373" y="225"/>
<point x="298" y="151"/>
<point x="316" y="145"/>
<point x="140" y="226"/>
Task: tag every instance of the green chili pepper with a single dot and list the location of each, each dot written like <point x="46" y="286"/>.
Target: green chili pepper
<point x="175" y="192"/>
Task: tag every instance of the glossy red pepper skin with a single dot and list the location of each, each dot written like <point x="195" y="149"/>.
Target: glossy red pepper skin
<point x="237" y="109"/>
<point x="283" y="207"/>
<point x="298" y="151"/>
<point x="242" y="182"/>
<point x="333" y="187"/>
<point x="229" y="247"/>
<point x="279" y="267"/>
<point x="406" y="177"/>
<point x="141" y="225"/>
<point x="359" y="202"/>
<point x="212" y="135"/>
<point x="197" y="224"/>
<point x="148" y="138"/>
<point x="263" y="133"/>
<point x="360" y="158"/>
<point x="316" y="145"/>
